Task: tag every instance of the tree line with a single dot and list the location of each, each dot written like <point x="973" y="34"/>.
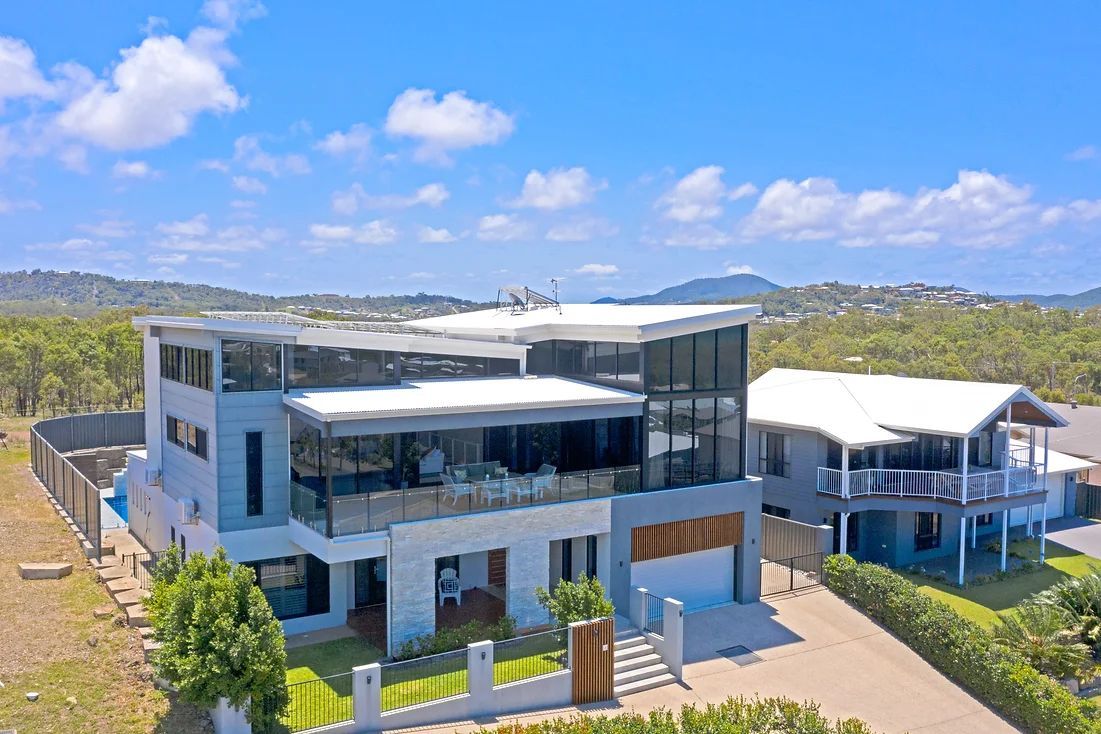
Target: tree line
<point x="55" y="365"/>
<point x="1057" y="353"/>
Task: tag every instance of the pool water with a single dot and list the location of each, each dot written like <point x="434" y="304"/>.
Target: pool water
<point x="118" y="504"/>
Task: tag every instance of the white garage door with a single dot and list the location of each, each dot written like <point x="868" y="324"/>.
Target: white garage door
<point x="697" y="580"/>
<point x="1056" y="484"/>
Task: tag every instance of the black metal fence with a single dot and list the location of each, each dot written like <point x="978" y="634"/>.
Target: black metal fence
<point x="312" y="704"/>
<point x="418" y="681"/>
<point x="142" y="566"/>
<point x="530" y="656"/>
<point x="653" y="615"/>
<point x="791" y="574"/>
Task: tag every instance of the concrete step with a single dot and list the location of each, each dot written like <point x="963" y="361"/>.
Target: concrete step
<point x="122" y="583"/>
<point x="106" y="547"/>
<point x="644" y="685"/>
<point x="631" y="641"/>
<point x="626" y="634"/>
<point x="113" y="572"/>
<point x="106" y="562"/>
<point x="640" y="661"/>
<point x="146" y="632"/>
<point x="148" y="645"/>
<point x="638" y="674"/>
<point x="136" y="616"/>
<point x="626" y="653"/>
<point x="130" y="597"/>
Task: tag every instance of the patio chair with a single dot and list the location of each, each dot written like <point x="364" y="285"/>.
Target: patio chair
<point x="544" y="470"/>
<point x="454" y="490"/>
<point x="448" y="587"/>
<point x="540" y="484"/>
<point x="495" y="489"/>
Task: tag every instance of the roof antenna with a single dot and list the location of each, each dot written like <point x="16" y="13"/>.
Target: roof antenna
<point x="554" y="282"/>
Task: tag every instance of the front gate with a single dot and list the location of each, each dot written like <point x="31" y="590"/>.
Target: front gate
<point x="791" y="574"/>
<point x="593" y="648"/>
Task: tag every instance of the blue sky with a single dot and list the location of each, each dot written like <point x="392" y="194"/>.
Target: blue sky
<point x="456" y="147"/>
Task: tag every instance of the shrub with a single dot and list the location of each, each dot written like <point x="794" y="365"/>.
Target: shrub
<point x="1045" y="635"/>
<point x="734" y="716"/>
<point x="575" y="602"/>
<point x="456" y="638"/>
<point x="218" y="635"/>
<point x="961" y="649"/>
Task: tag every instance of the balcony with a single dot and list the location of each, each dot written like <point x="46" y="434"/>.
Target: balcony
<point x="937" y="485"/>
<point x="373" y="511"/>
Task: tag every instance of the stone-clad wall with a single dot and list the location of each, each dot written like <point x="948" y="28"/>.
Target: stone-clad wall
<point x="526" y="533"/>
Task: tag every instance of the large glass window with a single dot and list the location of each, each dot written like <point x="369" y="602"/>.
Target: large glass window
<point x="425" y="366"/>
<point x="683" y="443"/>
<point x="254" y="473"/>
<point x="659" y="439"/>
<point x="338" y="367"/>
<point x="926" y="530"/>
<point x="541" y="358"/>
<point x="728" y="444"/>
<point x="704" y="427"/>
<point x="627" y="363"/>
<point x="250" y="366"/>
<point x="705" y="361"/>
<point x="187" y="436"/>
<point x="497" y="367"/>
<point x="605" y="355"/>
<point x="657" y="366"/>
<point x="295" y="586"/>
<point x="774" y="454"/>
<point x="683" y="368"/>
<point x="187" y="365"/>
<point x="730" y="358"/>
<point x="315" y="366"/>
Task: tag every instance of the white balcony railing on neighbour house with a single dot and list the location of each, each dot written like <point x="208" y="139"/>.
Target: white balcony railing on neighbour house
<point x="940" y="485"/>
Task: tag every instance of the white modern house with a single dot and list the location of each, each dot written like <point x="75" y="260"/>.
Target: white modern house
<point x="906" y="469"/>
<point x="401" y="477"/>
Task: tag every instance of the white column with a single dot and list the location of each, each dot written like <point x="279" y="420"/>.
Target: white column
<point x="964" y="469"/>
<point x="1008" y="434"/>
<point x="1005" y="536"/>
<point x="844" y="549"/>
<point x="963" y="545"/>
<point x="367" y="696"/>
<point x="974" y="530"/>
<point x="479" y="676"/>
<point x="1043" y="508"/>
<point x="672" y="653"/>
<point x="1028" y="521"/>
<point x="636" y="609"/>
<point x="844" y="472"/>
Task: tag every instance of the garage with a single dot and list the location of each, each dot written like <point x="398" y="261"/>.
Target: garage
<point x="698" y="580"/>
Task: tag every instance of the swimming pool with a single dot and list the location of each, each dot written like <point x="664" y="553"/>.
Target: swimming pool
<point x="118" y="504"/>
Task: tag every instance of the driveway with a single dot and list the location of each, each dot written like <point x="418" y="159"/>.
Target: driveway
<point x="812" y="646"/>
<point x="1078" y="533"/>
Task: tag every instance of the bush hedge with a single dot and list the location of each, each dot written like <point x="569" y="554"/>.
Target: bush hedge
<point x="962" y="650"/>
<point x="735" y="716"/>
<point x="456" y="638"/>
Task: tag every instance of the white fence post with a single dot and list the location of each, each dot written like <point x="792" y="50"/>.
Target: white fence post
<point x="367" y="697"/>
<point x="637" y="606"/>
<point x="479" y="674"/>
<point x="672" y="628"/>
<point x="229" y="719"/>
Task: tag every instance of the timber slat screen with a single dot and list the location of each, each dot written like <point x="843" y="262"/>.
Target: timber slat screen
<point x="52" y="438"/>
<point x="686" y="536"/>
<point x="593" y="661"/>
<point x="1089" y="501"/>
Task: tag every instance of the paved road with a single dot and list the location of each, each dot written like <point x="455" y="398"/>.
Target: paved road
<point x="813" y="646"/>
<point x="1078" y="533"/>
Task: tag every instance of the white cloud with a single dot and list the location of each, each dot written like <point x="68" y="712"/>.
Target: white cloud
<point x="19" y="73"/>
<point x="229" y="13"/>
<point x="8" y="206"/>
<point x="1085" y="153"/>
<point x="83" y="249"/>
<point x="349" y="201"/>
<point x="699" y="195"/>
<point x="356" y="142"/>
<point x="248" y="152"/>
<point x="237" y="238"/>
<point x="733" y="269"/>
<point x="433" y="235"/>
<point x="74" y="158"/>
<point x="219" y="261"/>
<point x="1079" y="210"/>
<point x="501" y="228"/>
<point x="375" y="232"/>
<point x="582" y="230"/>
<point x="979" y="210"/>
<point x="168" y="258"/>
<point x="598" y="270"/>
<point x="249" y="185"/>
<point x="109" y="228"/>
<point x="702" y="236"/>
<point x="455" y="122"/>
<point x="213" y="164"/>
<point x="331" y="231"/>
<point x="133" y="169"/>
<point x="155" y="93"/>
<point x="559" y="188"/>
<point x="197" y="226"/>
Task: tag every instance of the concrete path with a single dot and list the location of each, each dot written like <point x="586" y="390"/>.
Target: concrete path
<point x="1077" y="533"/>
<point x="814" y="647"/>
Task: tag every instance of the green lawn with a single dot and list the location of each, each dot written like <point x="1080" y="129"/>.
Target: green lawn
<point x="984" y="603"/>
<point x="328" y="701"/>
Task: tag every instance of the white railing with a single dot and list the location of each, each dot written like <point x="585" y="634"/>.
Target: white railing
<point x="931" y="484"/>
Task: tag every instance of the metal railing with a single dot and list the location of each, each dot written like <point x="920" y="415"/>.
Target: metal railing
<point x="421" y="680"/>
<point x="373" y="511"/>
<point x="653" y="615"/>
<point x="530" y="656"/>
<point x="791" y="574"/>
<point x="315" y="703"/>
<point x="143" y="566"/>
<point x="942" y="485"/>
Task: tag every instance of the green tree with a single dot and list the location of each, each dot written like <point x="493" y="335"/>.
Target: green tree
<point x="218" y="635"/>
<point x="1044" y="634"/>
<point x="576" y="602"/>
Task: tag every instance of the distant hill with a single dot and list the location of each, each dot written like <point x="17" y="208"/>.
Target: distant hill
<point x="709" y="289"/>
<point x="1085" y="299"/>
<point x="80" y="294"/>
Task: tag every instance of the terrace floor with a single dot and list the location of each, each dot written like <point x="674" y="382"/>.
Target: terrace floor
<point x="478" y="604"/>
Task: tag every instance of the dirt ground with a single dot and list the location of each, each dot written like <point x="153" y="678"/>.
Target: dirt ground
<point x="89" y="672"/>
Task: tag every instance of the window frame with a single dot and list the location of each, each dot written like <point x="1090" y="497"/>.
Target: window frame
<point x="254" y="484"/>
<point x="765" y="462"/>
<point x="930" y="540"/>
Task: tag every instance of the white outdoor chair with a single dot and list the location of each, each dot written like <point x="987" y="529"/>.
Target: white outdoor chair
<point x="540" y="484"/>
<point x="453" y="490"/>
<point x="448" y="587"/>
<point x="520" y="488"/>
<point x="495" y="489"/>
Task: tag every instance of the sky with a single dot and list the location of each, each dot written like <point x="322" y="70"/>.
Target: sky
<point x="376" y="148"/>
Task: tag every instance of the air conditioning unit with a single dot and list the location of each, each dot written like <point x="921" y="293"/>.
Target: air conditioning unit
<point x="153" y="477"/>
<point x="189" y="511"/>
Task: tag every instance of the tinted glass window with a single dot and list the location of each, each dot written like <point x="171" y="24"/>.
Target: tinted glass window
<point x="658" y="442"/>
<point x="605" y="359"/>
<point x="503" y="367"/>
<point x="254" y="473"/>
<point x="374" y="367"/>
<point x="628" y="362"/>
<point x="541" y="358"/>
<point x="411" y="366"/>
<point x="683" y="373"/>
<point x="571" y="358"/>
<point x="704" y="422"/>
<point x="338" y="367"/>
<point x="705" y="360"/>
<point x="731" y="371"/>
<point x="683" y="438"/>
<point x="267" y="366"/>
<point x="236" y="366"/>
<point x="306" y="369"/>
<point x="728" y="446"/>
<point x="657" y="365"/>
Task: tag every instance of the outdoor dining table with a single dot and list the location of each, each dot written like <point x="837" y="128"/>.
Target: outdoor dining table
<point x="483" y="487"/>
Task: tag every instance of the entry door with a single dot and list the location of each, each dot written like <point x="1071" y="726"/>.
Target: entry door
<point x="370" y="581"/>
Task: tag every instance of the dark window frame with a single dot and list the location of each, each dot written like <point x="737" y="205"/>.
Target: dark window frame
<point x="767" y="463"/>
<point x="929" y="536"/>
<point x="189" y="437"/>
<point x="254" y="473"/>
<point x="249" y="363"/>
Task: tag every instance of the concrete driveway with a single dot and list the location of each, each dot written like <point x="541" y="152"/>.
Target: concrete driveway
<point x="811" y="646"/>
<point x="1078" y="533"/>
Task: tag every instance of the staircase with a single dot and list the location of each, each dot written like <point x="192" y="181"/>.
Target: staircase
<point x="637" y="666"/>
<point x="128" y="595"/>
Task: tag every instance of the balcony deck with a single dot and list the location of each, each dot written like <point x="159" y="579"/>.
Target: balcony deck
<point x="937" y="485"/>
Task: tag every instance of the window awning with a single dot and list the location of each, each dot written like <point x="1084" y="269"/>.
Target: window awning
<point x="458" y="403"/>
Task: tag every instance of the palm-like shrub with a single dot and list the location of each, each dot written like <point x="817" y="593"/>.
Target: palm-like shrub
<point x="1045" y="635"/>
<point x="1081" y="599"/>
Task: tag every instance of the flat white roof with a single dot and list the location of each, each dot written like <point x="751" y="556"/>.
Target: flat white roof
<point x="841" y="404"/>
<point x="591" y="320"/>
<point x="454" y="396"/>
